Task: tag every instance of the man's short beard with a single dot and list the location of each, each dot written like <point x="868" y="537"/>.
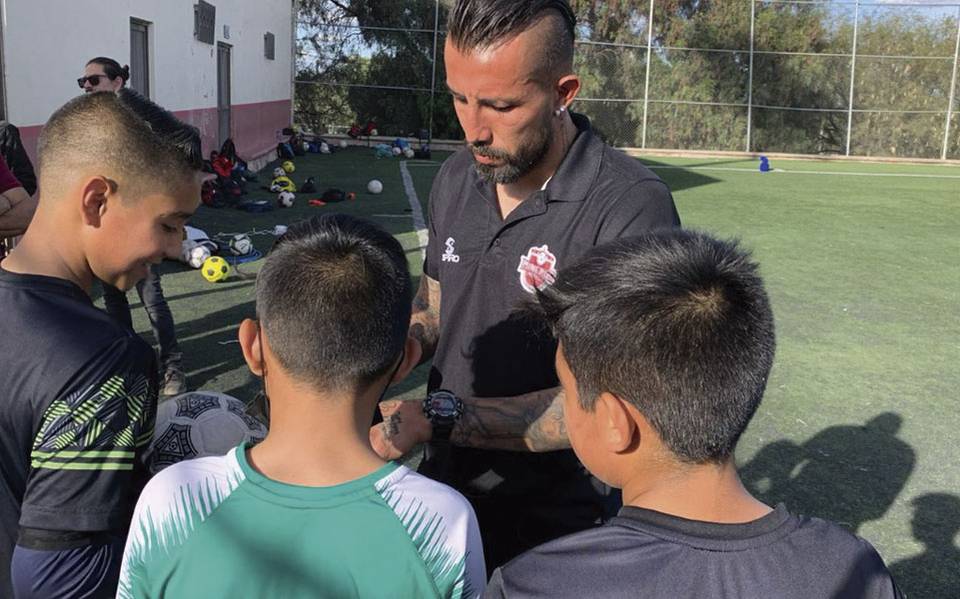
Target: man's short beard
<point x="518" y="164"/>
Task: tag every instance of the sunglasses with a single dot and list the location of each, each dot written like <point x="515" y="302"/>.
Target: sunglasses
<point x="93" y="79"/>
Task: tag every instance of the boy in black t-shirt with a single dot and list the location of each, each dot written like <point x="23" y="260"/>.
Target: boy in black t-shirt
<point x="665" y="346"/>
<point x="119" y="176"/>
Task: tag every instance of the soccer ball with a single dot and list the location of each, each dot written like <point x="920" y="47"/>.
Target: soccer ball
<point x="374" y="186"/>
<point x="285" y="199"/>
<point x="408" y="152"/>
<point x="198" y="255"/>
<point x="240" y="244"/>
<point x="373" y="132"/>
<point x="343" y="143"/>
<point x="198" y="424"/>
<point x="396" y="151"/>
<point x="215" y="269"/>
<point x="279" y="172"/>
<point x="324" y="148"/>
<point x="288" y="167"/>
<point x="186" y="246"/>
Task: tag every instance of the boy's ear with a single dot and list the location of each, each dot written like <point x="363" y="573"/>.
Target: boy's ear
<point x="618" y="429"/>
<point x="249" y="336"/>
<point x="94" y="194"/>
<point x="411" y="357"/>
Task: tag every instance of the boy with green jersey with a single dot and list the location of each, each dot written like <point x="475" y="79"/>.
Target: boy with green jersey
<point x="312" y="511"/>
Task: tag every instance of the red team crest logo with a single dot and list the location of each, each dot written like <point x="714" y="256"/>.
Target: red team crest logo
<point x="538" y="268"/>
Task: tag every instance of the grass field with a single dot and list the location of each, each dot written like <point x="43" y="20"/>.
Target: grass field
<point x="859" y="424"/>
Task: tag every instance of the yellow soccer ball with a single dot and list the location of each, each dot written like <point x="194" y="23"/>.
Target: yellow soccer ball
<point x="215" y="269"/>
<point x="288" y="166"/>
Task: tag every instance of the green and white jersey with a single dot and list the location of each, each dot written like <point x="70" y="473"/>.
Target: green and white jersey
<point x="214" y="527"/>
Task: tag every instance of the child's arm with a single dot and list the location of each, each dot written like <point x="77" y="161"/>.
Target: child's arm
<point x="16" y="211"/>
<point x="16" y="205"/>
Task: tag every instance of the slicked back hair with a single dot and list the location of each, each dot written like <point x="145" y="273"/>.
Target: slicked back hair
<point x="112" y="68"/>
<point x="333" y="298"/>
<point x="122" y="136"/>
<point x="476" y="25"/>
<point x="678" y="324"/>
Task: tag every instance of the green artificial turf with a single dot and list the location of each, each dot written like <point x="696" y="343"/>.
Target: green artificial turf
<point x="859" y="421"/>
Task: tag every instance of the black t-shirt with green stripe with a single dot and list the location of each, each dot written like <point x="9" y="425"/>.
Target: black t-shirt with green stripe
<point x="78" y="395"/>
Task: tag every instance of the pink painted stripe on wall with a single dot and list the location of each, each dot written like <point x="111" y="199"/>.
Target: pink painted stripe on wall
<point x="254" y="128"/>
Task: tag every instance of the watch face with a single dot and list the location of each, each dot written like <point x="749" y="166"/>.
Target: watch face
<point x="443" y="404"/>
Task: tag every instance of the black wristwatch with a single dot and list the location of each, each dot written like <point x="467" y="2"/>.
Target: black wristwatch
<point x="443" y="409"/>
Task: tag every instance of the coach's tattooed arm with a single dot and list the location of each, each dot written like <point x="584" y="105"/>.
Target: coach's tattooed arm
<point x="425" y="317"/>
<point x="531" y="422"/>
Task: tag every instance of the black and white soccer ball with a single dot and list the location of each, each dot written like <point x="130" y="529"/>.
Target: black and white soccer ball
<point x="240" y="244"/>
<point x="279" y="172"/>
<point x="286" y="199"/>
<point x="197" y="424"/>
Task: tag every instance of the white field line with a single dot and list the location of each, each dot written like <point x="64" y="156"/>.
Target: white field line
<point x="419" y="223"/>
<point x="782" y="171"/>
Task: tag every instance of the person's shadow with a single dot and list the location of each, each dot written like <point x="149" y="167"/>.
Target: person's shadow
<point x="847" y="474"/>
<point x="936" y="571"/>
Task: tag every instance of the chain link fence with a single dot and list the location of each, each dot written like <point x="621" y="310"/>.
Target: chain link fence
<point x="844" y="77"/>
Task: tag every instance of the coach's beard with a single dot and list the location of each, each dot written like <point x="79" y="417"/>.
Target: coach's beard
<point x="514" y="166"/>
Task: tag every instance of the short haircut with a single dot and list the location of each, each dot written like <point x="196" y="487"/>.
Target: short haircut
<point x="483" y="24"/>
<point x="333" y="298"/>
<point x="112" y="68"/>
<point x="122" y="136"/>
<point x="678" y="324"/>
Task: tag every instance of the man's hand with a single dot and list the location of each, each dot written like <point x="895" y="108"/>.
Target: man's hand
<point x="404" y="426"/>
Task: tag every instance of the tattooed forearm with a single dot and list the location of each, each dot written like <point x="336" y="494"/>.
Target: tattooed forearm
<point x="531" y="422"/>
<point x="425" y="317"/>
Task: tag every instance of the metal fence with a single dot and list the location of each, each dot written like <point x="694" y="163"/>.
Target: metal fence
<point x="862" y="78"/>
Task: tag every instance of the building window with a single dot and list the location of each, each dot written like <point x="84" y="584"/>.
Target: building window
<point x="204" y="20"/>
<point x="139" y="57"/>
<point x="268" y="45"/>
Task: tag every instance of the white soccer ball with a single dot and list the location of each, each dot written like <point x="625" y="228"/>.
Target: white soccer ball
<point x="373" y="132"/>
<point x="198" y="424"/>
<point x="408" y="152"/>
<point x="374" y="186"/>
<point x="324" y="148"/>
<point x="396" y="151"/>
<point x="343" y="143"/>
<point x="240" y="244"/>
<point x="186" y="246"/>
<point x="279" y="172"/>
<point x="286" y="199"/>
<point x="198" y="256"/>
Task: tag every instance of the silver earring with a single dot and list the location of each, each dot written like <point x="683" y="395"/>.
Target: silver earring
<point x="560" y="110"/>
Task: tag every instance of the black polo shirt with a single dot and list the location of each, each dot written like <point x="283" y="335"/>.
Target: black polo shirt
<point x="488" y="267"/>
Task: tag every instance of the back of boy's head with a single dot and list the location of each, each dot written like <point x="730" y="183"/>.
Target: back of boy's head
<point x="333" y="298"/>
<point x="678" y="324"/>
<point x="121" y="136"/>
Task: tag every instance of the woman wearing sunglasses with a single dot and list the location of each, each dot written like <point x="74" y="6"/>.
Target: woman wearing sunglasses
<point x="103" y="74"/>
<point x="106" y="74"/>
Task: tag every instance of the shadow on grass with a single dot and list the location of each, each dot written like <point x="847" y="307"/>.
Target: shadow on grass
<point x="678" y="177"/>
<point x="849" y="474"/>
<point x="852" y="474"/>
<point x="936" y="571"/>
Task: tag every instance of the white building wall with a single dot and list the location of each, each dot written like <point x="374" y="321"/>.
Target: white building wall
<point x="47" y="42"/>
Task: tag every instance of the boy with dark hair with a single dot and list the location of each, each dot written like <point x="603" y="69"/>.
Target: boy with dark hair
<point x="333" y="307"/>
<point x="665" y="346"/>
<point x="118" y="179"/>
